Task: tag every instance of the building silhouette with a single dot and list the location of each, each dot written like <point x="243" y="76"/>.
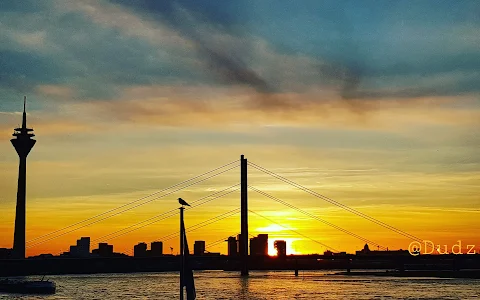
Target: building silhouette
<point x="330" y="253"/>
<point x="81" y="249"/>
<point x="104" y="250"/>
<point x="232" y="246"/>
<point x="73" y="251"/>
<point x="367" y="252"/>
<point x="281" y="247"/>
<point x="156" y="249"/>
<point x="83" y="246"/>
<point x="259" y="245"/>
<point x="23" y="143"/>
<point x="199" y="248"/>
<point x="5" y="253"/>
<point x="140" y="250"/>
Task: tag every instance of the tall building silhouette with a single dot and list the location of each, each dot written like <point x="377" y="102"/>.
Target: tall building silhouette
<point x="23" y="143"/>
<point x="232" y="246"/>
<point x="259" y="245"/>
<point x="81" y="249"/>
<point x="156" y="249"/>
<point x="281" y="247"/>
<point x="199" y="248"/>
<point x="140" y="250"/>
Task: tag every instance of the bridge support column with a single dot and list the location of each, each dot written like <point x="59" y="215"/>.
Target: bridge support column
<point x="244" y="216"/>
<point x="296" y="268"/>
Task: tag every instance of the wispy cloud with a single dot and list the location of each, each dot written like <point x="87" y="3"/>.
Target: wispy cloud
<point x="197" y="106"/>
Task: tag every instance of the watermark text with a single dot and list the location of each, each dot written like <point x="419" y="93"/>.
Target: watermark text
<point x="429" y="247"/>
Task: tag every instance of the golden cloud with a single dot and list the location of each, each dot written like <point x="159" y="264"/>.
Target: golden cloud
<point x="217" y="107"/>
<point x="231" y="108"/>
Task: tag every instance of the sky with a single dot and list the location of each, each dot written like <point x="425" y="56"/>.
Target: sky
<point x="375" y="104"/>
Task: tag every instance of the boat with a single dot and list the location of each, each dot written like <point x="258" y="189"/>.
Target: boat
<point x="28" y="286"/>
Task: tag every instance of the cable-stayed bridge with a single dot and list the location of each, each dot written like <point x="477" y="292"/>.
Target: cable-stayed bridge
<point x="245" y="189"/>
<point x="16" y="264"/>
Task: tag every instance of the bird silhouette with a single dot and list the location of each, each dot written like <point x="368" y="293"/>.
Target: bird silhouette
<point x="183" y="202"/>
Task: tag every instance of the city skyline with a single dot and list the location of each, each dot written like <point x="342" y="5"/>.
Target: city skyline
<point x="375" y="106"/>
<point x="269" y="247"/>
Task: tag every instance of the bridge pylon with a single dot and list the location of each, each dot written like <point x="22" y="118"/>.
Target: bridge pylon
<point x="243" y="242"/>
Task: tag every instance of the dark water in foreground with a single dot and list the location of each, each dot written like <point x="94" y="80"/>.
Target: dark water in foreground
<point x="260" y="285"/>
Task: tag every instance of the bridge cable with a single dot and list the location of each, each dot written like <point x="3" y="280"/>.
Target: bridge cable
<point x="168" y="214"/>
<point x="345" y="207"/>
<point x="127" y="209"/>
<point x="130" y="203"/>
<point x="317" y="218"/>
<point x="165" y="215"/>
<point x="218" y="241"/>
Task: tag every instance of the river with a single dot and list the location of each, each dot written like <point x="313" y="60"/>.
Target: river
<point x="260" y="285"/>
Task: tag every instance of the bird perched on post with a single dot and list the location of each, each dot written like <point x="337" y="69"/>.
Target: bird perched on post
<point x="183" y="202"/>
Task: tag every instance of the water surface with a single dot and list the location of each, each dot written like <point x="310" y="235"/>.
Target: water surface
<point x="260" y="285"/>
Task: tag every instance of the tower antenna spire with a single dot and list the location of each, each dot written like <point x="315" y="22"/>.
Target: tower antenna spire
<point x="24" y="119"/>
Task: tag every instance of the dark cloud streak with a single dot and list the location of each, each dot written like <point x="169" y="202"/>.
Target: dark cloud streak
<point x="186" y="17"/>
<point x="230" y="67"/>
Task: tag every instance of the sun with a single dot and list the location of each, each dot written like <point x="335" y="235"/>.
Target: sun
<point x="291" y="246"/>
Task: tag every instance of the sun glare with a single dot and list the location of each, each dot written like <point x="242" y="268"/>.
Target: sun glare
<point x="271" y="228"/>
<point x="291" y="247"/>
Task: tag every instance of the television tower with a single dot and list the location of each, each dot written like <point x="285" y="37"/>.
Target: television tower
<point x="23" y="143"/>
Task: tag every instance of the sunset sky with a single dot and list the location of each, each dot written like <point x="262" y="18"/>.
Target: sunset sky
<point x="375" y="104"/>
